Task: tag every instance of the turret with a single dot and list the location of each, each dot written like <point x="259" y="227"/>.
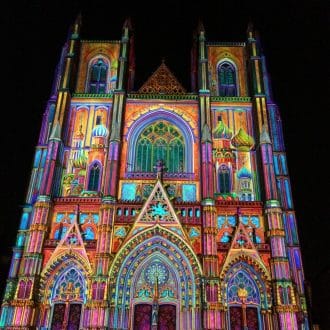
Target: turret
<point x="118" y="106"/>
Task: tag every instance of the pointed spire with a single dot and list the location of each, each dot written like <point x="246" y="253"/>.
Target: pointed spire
<point x="264" y="136"/>
<point x="250" y="27"/>
<point x="128" y="23"/>
<point x="56" y="132"/>
<point x="206" y="133"/>
<point x="78" y="19"/>
<point x="75" y="29"/>
<point x="200" y="26"/>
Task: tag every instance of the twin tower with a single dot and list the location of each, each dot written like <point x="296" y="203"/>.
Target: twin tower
<point x="158" y="208"/>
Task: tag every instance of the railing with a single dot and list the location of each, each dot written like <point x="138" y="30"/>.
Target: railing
<point x="259" y="246"/>
<point x="230" y="98"/>
<point x="146" y="96"/>
<point x="152" y="175"/>
<point x="52" y="243"/>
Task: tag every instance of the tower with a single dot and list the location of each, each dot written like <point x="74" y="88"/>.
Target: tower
<point x="161" y="207"/>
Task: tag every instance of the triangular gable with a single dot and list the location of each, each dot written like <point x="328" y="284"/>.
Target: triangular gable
<point x="242" y="245"/>
<point x="162" y="81"/>
<point x="157" y="210"/>
<point x="71" y="242"/>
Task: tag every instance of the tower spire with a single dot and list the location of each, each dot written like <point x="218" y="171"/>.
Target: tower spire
<point x="127" y="23"/>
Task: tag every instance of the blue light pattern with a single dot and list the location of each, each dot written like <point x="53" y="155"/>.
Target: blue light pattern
<point x="128" y="191"/>
<point x="189" y="192"/>
<point x="242" y="280"/>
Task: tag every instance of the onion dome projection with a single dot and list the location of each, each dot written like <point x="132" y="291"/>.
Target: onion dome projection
<point x="242" y="141"/>
<point x="99" y="131"/>
<point x="222" y="131"/>
<point x="81" y="161"/>
<point x="244" y="173"/>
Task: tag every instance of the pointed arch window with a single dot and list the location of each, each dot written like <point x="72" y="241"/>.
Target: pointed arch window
<point x="227" y="79"/>
<point x="94" y="177"/>
<point x="164" y="141"/>
<point x="224" y="179"/>
<point x="24" y="289"/>
<point x="98" y="77"/>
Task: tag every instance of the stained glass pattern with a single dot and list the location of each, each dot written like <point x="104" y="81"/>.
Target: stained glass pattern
<point x="160" y="141"/>
<point x="69" y="286"/>
<point x="241" y="280"/>
<point x="98" y="77"/>
<point x="227" y="79"/>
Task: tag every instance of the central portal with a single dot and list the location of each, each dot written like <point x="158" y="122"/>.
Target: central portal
<point x="166" y="317"/>
<point x="155" y="284"/>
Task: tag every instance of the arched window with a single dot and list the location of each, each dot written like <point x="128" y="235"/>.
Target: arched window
<point x="94" y="290"/>
<point x="224" y="179"/>
<point x="21" y="289"/>
<point x="94" y="176"/>
<point x="98" y="77"/>
<point x="160" y="141"/>
<point x="227" y="79"/>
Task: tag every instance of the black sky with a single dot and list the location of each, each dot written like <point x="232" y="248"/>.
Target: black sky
<point x="295" y="39"/>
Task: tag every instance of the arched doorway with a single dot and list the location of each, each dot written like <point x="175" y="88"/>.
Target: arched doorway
<point x="159" y="273"/>
<point x="245" y="294"/>
<point x="155" y="282"/>
<point x="68" y="296"/>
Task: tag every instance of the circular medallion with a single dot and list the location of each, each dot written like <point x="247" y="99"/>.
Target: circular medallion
<point x="156" y="270"/>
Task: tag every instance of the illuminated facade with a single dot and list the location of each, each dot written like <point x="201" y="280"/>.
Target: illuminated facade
<point x="158" y="208"/>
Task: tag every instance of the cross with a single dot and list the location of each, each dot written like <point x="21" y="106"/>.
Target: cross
<point x="159" y="167"/>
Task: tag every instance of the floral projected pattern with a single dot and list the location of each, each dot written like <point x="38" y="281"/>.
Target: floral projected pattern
<point x="158" y="209"/>
<point x="156" y="271"/>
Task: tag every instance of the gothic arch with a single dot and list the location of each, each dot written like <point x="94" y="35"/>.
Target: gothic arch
<point x="105" y="62"/>
<point x="93" y="169"/>
<point x="162" y="114"/>
<point x="56" y="267"/>
<point x="153" y="245"/>
<point x="231" y="63"/>
<point x="257" y="275"/>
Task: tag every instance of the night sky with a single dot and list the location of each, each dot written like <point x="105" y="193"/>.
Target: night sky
<point x="295" y="40"/>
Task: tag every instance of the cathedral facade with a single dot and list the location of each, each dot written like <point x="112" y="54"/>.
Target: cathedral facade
<point x="159" y="208"/>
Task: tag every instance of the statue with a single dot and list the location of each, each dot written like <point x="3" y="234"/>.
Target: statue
<point x="159" y="167"/>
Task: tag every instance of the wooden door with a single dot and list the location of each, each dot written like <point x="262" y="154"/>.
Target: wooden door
<point x="142" y="317"/>
<point x="167" y="317"/>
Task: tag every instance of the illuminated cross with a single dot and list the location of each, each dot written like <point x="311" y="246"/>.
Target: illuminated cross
<point x="159" y="167"/>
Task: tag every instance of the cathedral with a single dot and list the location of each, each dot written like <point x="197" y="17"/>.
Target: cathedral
<point x="158" y="208"/>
